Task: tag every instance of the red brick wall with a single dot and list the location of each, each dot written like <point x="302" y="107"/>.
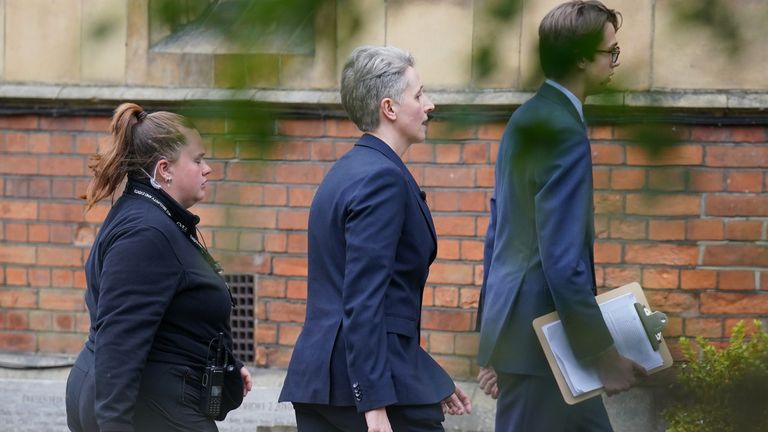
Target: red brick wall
<point x="689" y="225"/>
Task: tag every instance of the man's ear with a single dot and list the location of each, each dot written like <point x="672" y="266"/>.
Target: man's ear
<point x="387" y="108"/>
<point x="582" y="63"/>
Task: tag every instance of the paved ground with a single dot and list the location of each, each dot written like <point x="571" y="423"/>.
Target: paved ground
<point x="33" y="401"/>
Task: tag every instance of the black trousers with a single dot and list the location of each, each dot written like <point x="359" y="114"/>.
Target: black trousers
<point x="168" y="399"/>
<point x="530" y="403"/>
<point x="405" y="418"/>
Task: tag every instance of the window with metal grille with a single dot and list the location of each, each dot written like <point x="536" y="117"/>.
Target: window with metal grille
<point x="243" y="321"/>
<point x="235" y="27"/>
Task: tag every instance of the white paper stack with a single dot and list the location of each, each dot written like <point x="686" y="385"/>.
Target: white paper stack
<point x="628" y="335"/>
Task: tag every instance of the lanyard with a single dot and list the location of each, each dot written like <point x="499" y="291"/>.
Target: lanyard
<point x="137" y="191"/>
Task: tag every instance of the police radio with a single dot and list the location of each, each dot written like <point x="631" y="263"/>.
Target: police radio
<point x="213" y="379"/>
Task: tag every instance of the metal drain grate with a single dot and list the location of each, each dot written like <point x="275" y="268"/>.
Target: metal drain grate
<point x="242" y="319"/>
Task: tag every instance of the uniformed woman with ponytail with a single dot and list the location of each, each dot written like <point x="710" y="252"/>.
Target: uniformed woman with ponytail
<point x="155" y="300"/>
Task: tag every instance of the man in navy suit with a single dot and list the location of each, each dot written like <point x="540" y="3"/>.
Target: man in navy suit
<point x="539" y="245"/>
<point x="358" y="365"/>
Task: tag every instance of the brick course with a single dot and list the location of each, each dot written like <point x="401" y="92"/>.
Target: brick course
<point x="689" y="224"/>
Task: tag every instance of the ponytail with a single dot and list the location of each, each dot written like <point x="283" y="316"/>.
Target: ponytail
<point x="139" y="140"/>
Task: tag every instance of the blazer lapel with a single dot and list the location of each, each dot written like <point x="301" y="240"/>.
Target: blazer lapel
<point x="371" y="141"/>
<point x="421" y="197"/>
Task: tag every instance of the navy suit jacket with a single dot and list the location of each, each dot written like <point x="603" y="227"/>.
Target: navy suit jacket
<point x="371" y="241"/>
<point x="539" y="245"/>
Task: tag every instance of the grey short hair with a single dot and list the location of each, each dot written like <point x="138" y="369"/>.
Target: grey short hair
<point x="371" y="74"/>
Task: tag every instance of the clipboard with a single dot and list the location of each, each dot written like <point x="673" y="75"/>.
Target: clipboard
<point x="653" y="324"/>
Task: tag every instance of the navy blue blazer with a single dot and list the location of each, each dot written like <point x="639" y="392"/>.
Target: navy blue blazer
<point x="539" y="245"/>
<point x="371" y="242"/>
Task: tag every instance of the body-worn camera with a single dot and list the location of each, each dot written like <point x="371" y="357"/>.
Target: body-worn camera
<point x="213" y="379"/>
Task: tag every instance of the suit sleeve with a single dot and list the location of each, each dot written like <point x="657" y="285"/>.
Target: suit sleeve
<point x="136" y="284"/>
<point x="490" y="237"/>
<point x="373" y="226"/>
<point x="563" y="211"/>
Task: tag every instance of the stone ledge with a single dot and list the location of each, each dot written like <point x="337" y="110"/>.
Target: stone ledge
<point x="671" y="99"/>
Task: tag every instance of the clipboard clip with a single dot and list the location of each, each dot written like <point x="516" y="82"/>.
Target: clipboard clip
<point x="653" y="324"/>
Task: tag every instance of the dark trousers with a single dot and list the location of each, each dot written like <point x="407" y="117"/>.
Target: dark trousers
<point x="529" y="403"/>
<point x="168" y="399"/>
<point x="406" y="418"/>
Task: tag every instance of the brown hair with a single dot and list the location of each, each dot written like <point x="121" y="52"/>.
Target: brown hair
<point x="139" y="141"/>
<point x="572" y="31"/>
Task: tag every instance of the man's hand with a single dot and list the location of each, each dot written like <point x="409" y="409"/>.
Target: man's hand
<point x="618" y="373"/>
<point x="457" y="403"/>
<point x="488" y="381"/>
<point x="377" y="420"/>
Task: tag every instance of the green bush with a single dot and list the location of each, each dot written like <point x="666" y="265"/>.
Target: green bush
<point x="722" y="390"/>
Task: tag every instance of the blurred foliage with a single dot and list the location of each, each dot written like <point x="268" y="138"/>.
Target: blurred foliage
<point x="101" y="29"/>
<point x="494" y="14"/>
<point x="347" y="29"/>
<point x="250" y="35"/>
<point x="657" y="139"/>
<point x="714" y="16"/>
<point x="174" y="13"/>
<point x="248" y="23"/>
<point x="722" y="390"/>
<point x="243" y="22"/>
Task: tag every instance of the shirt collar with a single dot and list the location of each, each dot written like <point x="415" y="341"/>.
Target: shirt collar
<point x="572" y="97"/>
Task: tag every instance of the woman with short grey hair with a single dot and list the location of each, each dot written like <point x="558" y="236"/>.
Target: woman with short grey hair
<point x="358" y="365"/>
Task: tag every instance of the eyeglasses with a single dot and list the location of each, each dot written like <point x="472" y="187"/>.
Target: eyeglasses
<point x="613" y="52"/>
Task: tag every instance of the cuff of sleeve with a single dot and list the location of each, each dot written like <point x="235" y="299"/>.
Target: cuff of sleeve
<point x="593" y="349"/>
<point x="374" y="396"/>
<point x="588" y="334"/>
<point x="594" y="358"/>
